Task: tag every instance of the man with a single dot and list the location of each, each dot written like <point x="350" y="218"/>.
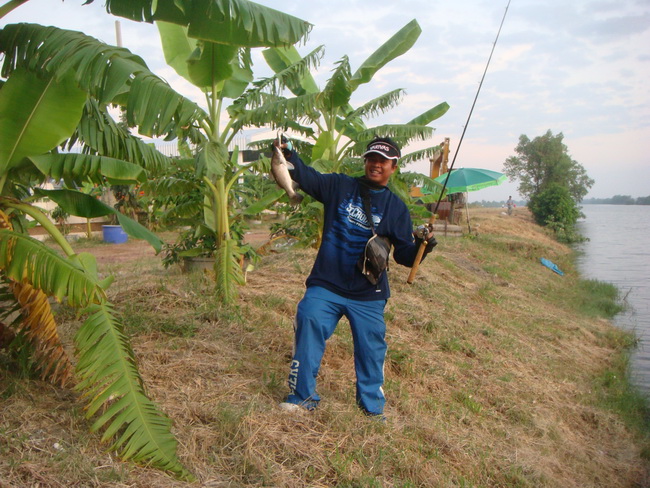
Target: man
<point x="510" y="203"/>
<point x="336" y="287"/>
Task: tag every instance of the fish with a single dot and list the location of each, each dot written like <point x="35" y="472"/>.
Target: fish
<point x="280" y="173"/>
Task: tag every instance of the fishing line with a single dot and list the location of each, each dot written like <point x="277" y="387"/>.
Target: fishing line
<point x="471" y="110"/>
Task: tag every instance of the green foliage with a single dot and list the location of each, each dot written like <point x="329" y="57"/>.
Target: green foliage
<point x="43" y="112"/>
<point x="554" y="207"/>
<point x="60" y="216"/>
<point x="56" y="87"/>
<point x="143" y="432"/>
<point x="230" y="22"/>
<point x="126" y="200"/>
<point x="615" y="392"/>
<point x="643" y="200"/>
<point x="73" y="279"/>
<point x="107" y="73"/>
<point x="619" y="200"/>
<point x="553" y="183"/>
<point x="341" y="133"/>
<point x="545" y="161"/>
<point x="107" y="367"/>
<point x="190" y="243"/>
<point x="218" y="61"/>
<point x="599" y="299"/>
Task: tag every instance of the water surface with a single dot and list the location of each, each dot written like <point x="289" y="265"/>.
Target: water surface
<point x="618" y="252"/>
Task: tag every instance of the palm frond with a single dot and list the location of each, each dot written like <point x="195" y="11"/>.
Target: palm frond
<point x="34" y="318"/>
<point x="39" y="327"/>
<point x="105" y="72"/>
<point x="111" y="383"/>
<point x="23" y="258"/>
<point x="38" y="113"/>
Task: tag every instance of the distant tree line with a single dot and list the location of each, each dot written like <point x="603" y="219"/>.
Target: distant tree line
<point x="618" y="200"/>
<point x="496" y="203"/>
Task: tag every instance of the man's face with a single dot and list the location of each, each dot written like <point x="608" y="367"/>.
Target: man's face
<point x="379" y="169"/>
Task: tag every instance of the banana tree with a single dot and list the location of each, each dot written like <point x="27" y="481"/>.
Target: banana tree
<point x="223" y="71"/>
<point x="337" y="133"/>
<point x="55" y="91"/>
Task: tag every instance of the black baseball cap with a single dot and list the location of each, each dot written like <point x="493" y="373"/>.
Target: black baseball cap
<point x="384" y="146"/>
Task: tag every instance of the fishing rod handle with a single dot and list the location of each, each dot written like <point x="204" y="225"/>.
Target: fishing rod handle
<point x="416" y="262"/>
<point x="420" y="254"/>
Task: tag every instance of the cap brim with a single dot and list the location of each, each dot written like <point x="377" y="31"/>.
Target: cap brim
<point x="387" y="156"/>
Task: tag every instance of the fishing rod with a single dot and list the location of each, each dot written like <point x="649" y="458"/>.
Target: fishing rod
<point x="423" y="245"/>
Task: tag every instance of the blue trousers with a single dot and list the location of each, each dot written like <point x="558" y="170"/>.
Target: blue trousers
<point x="316" y="318"/>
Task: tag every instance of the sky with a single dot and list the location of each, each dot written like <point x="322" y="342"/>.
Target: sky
<point x="580" y="68"/>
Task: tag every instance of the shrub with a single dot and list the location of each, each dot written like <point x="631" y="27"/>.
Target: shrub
<point x="555" y="208"/>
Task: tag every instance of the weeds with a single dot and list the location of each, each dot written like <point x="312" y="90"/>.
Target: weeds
<point x="599" y="299"/>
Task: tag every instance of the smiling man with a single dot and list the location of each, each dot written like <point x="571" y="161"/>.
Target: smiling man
<point x="337" y="286"/>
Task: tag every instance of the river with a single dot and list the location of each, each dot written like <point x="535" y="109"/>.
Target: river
<point x="617" y="252"/>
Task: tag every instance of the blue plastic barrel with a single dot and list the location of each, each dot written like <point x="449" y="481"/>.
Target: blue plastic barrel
<point x="114" y="234"/>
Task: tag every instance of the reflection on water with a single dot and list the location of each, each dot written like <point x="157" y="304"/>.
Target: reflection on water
<point x="618" y="253"/>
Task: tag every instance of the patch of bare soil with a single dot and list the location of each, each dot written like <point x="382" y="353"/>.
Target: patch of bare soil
<point x="137" y="249"/>
<point x="132" y="250"/>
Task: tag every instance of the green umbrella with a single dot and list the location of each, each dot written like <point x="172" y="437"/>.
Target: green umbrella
<point x="470" y="179"/>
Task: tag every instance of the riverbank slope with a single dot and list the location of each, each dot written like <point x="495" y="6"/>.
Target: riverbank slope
<point x="495" y="376"/>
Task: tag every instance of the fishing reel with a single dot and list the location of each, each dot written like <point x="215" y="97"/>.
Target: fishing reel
<point x="422" y="231"/>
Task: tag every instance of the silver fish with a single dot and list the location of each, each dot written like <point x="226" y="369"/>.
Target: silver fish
<point x="280" y="172"/>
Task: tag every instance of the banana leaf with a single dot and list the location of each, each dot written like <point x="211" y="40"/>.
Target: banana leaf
<point x="100" y="134"/>
<point x="76" y="168"/>
<point x="108" y="73"/>
<point x="23" y="258"/>
<point x="36" y="114"/>
<point x="264" y="202"/>
<point x="233" y="22"/>
<point x="83" y="205"/>
<point x="431" y="114"/>
<point x="338" y="90"/>
<point x="397" y="45"/>
<point x="110" y="381"/>
<point x="280" y="59"/>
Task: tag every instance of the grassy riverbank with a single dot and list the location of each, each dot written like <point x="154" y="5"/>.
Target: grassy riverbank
<point x="499" y="373"/>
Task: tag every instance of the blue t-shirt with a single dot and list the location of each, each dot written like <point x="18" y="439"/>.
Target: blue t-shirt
<point x="346" y="231"/>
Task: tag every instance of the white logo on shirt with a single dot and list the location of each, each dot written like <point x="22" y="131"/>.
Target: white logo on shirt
<point x="357" y="216"/>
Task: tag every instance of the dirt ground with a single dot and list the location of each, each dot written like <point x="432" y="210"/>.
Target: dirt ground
<point x="137" y="249"/>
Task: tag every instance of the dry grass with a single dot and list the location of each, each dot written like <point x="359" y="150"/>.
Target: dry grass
<point x="489" y="380"/>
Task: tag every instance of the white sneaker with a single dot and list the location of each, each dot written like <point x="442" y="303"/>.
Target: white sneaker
<point x="291" y="407"/>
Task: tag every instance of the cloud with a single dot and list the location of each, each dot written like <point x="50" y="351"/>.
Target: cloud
<point x="578" y="67"/>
